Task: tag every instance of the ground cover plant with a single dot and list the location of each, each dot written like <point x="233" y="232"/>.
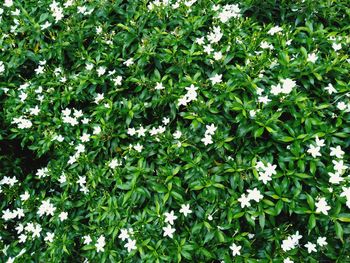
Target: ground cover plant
<point x="174" y="131"/>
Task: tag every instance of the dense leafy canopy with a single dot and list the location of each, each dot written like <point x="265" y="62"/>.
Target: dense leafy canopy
<point x="168" y="131"/>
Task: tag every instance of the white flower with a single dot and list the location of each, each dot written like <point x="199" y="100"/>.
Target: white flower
<point x="251" y="236"/>
<point x="8" y="3"/>
<point x="81" y="180"/>
<point x="200" y="40"/>
<point x="259" y="91"/>
<point x="165" y="120"/>
<point x="7" y="215"/>
<point x="182" y="101"/>
<point x="287" y="85"/>
<point x="89" y="66"/>
<point x="66" y="112"/>
<point x="37" y="231"/>
<point x="339" y="166"/>
<point x="217" y="55"/>
<point x="177" y="135"/>
<point x="57" y="11"/>
<point x="34" y="111"/>
<point x="78" y="113"/>
<point x="63" y="216"/>
<point x="335" y="178"/>
<point x="168" y="231"/>
<point x="22" y="122"/>
<point x="341" y="105"/>
<point x="185" y="209"/>
<point x="124" y="234"/>
<point x="322" y="206"/>
<point x="244" y="200"/>
<point x="87" y="239"/>
<point x="25" y="196"/>
<point x="46" y="208"/>
<point x="210" y="129"/>
<point x="141" y="132"/>
<point x="23" y="96"/>
<point x="159" y="86"/>
<point x="264" y="177"/>
<point x="129" y="62"/>
<point x="235" y="249"/>
<point x="97" y="130"/>
<point x="16" y="12"/>
<point x="81" y="10"/>
<point x="276" y="89"/>
<point x="131" y="131"/>
<point x="228" y="12"/>
<point x="130" y="245"/>
<point x="98" y="30"/>
<point x="346" y="192"/>
<point x="118" y="80"/>
<point x="265" y="45"/>
<point x="216" y="79"/>
<point x="85" y="137"/>
<point x="207" y="140"/>
<point x="170" y="217"/>
<point x="99" y="97"/>
<point x="291" y="242"/>
<point x="215" y="35"/>
<point x="101" y="242"/>
<point x="270" y="169"/>
<point x="49" y="237"/>
<point x="310" y="247"/>
<point x="255" y="195"/>
<point x="114" y="163"/>
<point x="191" y="93"/>
<point x="80" y="148"/>
<point x="138" y="147"/>
<point x="58" y="138"/>
<point x="319" y="142"/>
<point x="153" y="131"/>
<point x="274" y="30"/>
<point x="330" y="89"/>
<point x="336" y="46"/>
<point x="314" y="151"/>
<point x="337" y="152"/>
<point x="288" y="260"/>
<point x="46" y="25"/>
<point x="321" y="241"/>
<point x="312" y="57"/>
<point x="252" y="113"/>
<point x="208" y="49"/>
<point x="263" y="99"/>
<point x="68" y="3"/>
<point x="215" y="7"/>
<point x="22" y="238"/>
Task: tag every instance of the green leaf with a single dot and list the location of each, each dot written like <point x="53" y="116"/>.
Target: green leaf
<point x="258" y="132"/>
<point x="262" y="220"/>
<point x="339" y="231"/>
<point x="311" y="223"/>
<point x="238" y="215"/>
<point x="344" y="217"/>
<point x="310" y="201"/>
<point x="286" y="139"/>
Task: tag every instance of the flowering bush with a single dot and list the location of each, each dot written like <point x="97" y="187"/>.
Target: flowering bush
<point x="174" y="130"/>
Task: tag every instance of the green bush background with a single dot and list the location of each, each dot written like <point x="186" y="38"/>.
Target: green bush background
<point x="164" y="175"/>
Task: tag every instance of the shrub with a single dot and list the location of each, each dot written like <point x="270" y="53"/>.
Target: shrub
<point x="168" y="131"/>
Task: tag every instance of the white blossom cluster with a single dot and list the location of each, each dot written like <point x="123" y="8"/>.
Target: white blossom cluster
<point x="191" y="95"/>
<point x="229" y="11"/>
<point x="265" y="171"/>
